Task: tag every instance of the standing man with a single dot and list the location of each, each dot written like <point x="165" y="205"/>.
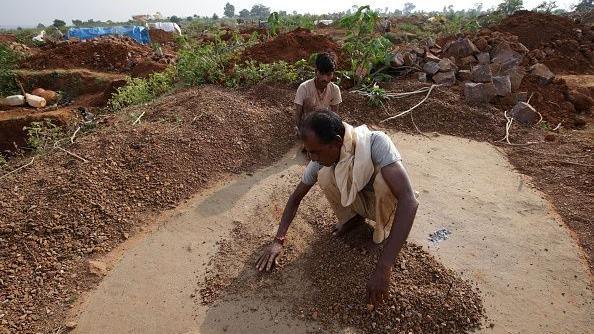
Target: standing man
<point x="318" y="93"/>
<point x="362" y="176"/>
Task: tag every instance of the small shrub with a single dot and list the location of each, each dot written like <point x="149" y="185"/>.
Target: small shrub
<point x="9" y="60"/>
<point x="41" y="134"/>
<point x="139" y="90"/>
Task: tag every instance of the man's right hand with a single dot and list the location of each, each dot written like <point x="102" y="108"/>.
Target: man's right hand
<point x="270" y="257"/>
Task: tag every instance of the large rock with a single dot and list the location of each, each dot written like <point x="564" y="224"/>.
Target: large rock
<point x="410" y="58"/>
<point x="463" y="47"/>
<point x="431" y="67"/>
<point x="484" y="58"/>
<point x="502" y="85"/>
<point x="467" y="61"/>
<point x="542" y="72"/>
<point x="464" y="75"/>
<point x="516" y="75"/>
<point x="445" y="78"/>
<point x="505" y="56"/>
<point x="478" y="93"/>
<point x="524" y="113"/>
<point x="431" y="57"/>
<point x="481" y="73"/>
<point x="397" y="60"/>
<point x="446" y="65"/>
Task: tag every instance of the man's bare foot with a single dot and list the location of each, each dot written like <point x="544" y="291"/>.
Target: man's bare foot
<point x="348" y="226"/>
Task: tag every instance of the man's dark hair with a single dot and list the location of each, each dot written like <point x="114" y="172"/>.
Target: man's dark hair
<point x="325" y="63"/>
<point x="325" y="124"/>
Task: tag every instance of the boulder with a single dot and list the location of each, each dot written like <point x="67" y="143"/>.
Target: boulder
<point x="431" y="57"/>
<point x="410" y="58"/>
<point x="502" y="85"/>
<point x="431" y="67"/>
<point x="460" y="48"/>
<point x="446" y="65"/>
<point x="467" y="61"/>
<point x="464" y="75"/>
<point x="445" y="78"/>
<point x="484" y="58"/>
<point x="397" y="60"/>
<point x="422" y="76"/>
<point x="478" y="93"/>
<point x="481" y="73"/>
<point x="503" y="54"/>
<point x="542" y="72"/>
<point x="516" y="75"/>
<point x="524" y="113"/>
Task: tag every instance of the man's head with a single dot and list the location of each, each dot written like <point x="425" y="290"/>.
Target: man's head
<point x="325" y="67"/>
<point x="322" y="133"/>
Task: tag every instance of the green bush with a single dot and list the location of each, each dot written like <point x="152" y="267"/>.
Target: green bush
<point x="8" y="62"/>
<point x="206" y="63"/>
<point x="139" y="90"/>
<point x="41" y="134"/>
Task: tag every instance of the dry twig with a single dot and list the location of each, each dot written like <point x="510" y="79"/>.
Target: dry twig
<point x="16" y="170"/>
<point x="415" y="106"/>
<point x="139" y="117"/>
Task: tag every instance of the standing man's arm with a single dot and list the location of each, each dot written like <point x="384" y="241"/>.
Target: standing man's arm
<point x="399" y="183"/>
<point x="298" y="116"/>
<point x="270" y="256"/>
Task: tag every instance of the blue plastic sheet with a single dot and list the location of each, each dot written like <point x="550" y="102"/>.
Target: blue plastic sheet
<point x="138" y="33"/>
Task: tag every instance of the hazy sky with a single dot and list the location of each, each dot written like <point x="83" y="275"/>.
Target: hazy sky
<point x="14" y="14"/>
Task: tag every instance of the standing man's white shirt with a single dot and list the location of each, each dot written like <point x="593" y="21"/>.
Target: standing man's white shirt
<point x="309" y="96"/>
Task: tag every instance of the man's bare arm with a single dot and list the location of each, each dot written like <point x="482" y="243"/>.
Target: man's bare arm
<point x="269" y="258"/>
<point x="298" y="114"/>
<point x="399" y="183"/>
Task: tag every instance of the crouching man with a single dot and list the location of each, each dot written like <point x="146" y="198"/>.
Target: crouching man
<point x="361" y="174"/>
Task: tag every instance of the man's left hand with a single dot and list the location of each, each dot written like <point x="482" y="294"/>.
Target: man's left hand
<point x="378" y="285"/>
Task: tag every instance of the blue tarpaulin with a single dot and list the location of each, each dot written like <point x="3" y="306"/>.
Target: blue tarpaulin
<point x="138" y="33"/>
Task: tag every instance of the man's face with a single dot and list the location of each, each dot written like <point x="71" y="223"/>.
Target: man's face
<point x="323" y="79"/>
<point x="325" y="154"/>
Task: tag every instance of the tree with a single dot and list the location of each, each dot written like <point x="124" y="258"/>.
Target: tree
<point x="546" y="7"/>
<point x="508" y="7"/>
<point x="244" y="13"/>
<point x="175" y="19"/>
<point x="40" y="26"/>
<point x="77" y="23"/>
<point x="260" y="11"/>
<point x="229" y="10"/>
<point x="408" y="8"/>
<point x="584" y="6"/>
<point x="59" y="23"/>
<point x="189" y="18"/>
<point x="215" y="16"/>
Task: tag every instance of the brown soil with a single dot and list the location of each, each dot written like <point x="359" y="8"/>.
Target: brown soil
<point x="425" y="297"/>
<point x="567" y="50"/>
<point x="12" y="133"/>
<point x="109" y="54"/>
<point x="60" y="211"/>
<point x="7" y="38"/>
<point x="161" y="36"/>
<point x="291" y="47"/>
<point x="82" y="87"/>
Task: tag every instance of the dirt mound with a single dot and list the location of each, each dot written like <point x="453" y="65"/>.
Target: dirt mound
<point x="59" y="212"/>
<point x="291" y="47"/>
<point x="425" y="297"/>
<point x="559" y="42"/>
<point x="161" y="36"/>
<point x="108" y="54"/>
<point x="7" y="38"/>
